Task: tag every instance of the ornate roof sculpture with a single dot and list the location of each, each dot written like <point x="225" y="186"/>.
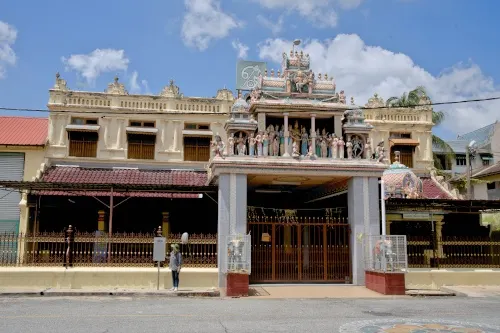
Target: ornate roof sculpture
<point x="171" y="90"/>
<point x="296" y="83"/>
<point x="225" y="95"/>
<point x="60" y="83"/>
<point x="240" y="118"/>
<point x="354" y="119"/>
<point x="116" y="88"/>
<point x="401" y="182"/>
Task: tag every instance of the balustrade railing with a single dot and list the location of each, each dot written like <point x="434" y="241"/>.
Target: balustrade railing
<point x="99" y="249"/>
<point x="453" y="252"/>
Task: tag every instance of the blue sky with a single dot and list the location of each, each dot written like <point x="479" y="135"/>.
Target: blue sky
<point x="384" y="46"/>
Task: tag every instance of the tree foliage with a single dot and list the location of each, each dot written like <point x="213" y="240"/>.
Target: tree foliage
<point x="413" y="99"/>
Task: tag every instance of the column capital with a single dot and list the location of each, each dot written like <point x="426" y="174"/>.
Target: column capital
<point x="286" y="113"/>
<point x="313" y="115"/>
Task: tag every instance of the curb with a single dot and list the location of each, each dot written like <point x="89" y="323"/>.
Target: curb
<point x="456" y="293"/>
<point x="48" y="293"/>
<point x="434" y="293"/>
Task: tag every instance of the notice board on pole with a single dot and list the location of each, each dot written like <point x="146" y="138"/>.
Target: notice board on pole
<point x="159" y="249"/>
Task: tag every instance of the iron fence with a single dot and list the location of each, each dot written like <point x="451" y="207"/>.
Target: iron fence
<point x="453" y="252"/>
<point x="72" y="249"/>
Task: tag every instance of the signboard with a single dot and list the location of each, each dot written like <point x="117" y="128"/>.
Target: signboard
<point x="247" y="74"/>
<point x="159" y="249"/>
<point x="416" y="216"/>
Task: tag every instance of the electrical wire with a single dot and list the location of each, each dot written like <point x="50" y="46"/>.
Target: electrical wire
<point x="138" y="111"/>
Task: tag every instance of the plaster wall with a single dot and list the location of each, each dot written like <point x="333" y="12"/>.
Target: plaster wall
<point x="102" y="278"/>
<point x="114" y="113"/>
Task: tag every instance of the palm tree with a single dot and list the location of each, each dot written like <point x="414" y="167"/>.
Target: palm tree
<point x="412" y="99"/>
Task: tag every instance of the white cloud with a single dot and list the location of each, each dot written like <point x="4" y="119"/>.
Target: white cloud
<point x="136" y="87"/>
<point x="241" y="48"/>
<point x="99" y="61"/>
<point x="363" y="70"/>
<point x="8" y="36"/>
<point x="204" y="22"/>
<point x="319" y="12"/>
<point x="275" y="27"/>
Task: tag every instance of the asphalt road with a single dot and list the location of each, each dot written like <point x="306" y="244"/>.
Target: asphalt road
<point x="112" y="314"/>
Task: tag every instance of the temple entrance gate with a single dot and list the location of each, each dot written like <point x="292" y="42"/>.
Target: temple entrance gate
<point x="300" y="249"/>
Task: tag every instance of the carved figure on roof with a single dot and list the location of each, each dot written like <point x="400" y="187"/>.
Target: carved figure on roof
<point x="218" y="146"/>
<point x="304" y="137"/>
<point x="349" y="149"/>
<point x="335" y="148"/>
<point x="258" y="141"/>
<point x="230" y="145"/>
<point x="255" y="95"/>
<point x="281" y="135"/>
<point x="324" y="148"/>
<point x="380" y="152"/>
<point x="342" y="97"/>
<point x="276" y="146"/>
<point x="357" y="146"/>
<point x="375" y="102"/>
<point x="295" y="150"/>
<point x="272" y="135"/>
<point x="300" y="81"/>
<point x="341" y="145"/>
<point x="251" y="145"/>
<point x="265" y="144"/>
<point x="242" y="148"/>
<point x="368" y="149"/>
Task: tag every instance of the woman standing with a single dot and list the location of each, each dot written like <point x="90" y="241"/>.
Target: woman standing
<point x="175" y="265"/>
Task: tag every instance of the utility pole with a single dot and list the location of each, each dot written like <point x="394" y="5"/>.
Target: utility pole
<point x="467" y="163"/>
<point x="468" y="166"/>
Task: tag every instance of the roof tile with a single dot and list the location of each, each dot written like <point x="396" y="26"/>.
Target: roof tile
<point x="77" y="175"/>
<point x="23" y="131"/>
<point x="432" y="191"/>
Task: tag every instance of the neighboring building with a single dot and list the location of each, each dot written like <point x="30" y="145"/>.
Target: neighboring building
<point x="486" y="143"/>
<point x="407" y="130"/>
<point x="22" y="151"/>
<point x="486" y="182"/>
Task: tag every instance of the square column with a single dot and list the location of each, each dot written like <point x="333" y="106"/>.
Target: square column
<point x="338" y="125"/>
<point x="232" y="217"/>
<point x="313" y="135"/>
<point x="286" y="135"/>
<point x="364" y="219"/>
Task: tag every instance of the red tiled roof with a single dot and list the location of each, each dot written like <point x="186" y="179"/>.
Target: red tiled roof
<point x="432" y="191"/>
<point x="77" y="175"/>
<point x="23" y="131"/>
<point x="136" y="194"/>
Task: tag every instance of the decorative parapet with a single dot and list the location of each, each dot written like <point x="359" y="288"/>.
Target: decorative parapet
<point x="376" y="111"/>
<point x="116" y="97"/>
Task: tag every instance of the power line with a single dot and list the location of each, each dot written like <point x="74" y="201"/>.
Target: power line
<point x="138" y="111"/>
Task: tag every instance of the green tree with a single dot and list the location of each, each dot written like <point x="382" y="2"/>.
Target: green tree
<point x="413" y="99"/>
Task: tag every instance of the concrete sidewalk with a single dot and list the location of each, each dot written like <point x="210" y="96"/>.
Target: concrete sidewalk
<point x="318" y="291"/>
<point x="473" y="291"/>
<point x="59" y="292"/>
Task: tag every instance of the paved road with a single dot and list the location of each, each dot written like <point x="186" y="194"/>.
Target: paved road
<point x="111" y="314"/>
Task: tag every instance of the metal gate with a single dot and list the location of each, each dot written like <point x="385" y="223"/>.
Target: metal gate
<point x="300" y="250"/>
<point x="11" y="168"/>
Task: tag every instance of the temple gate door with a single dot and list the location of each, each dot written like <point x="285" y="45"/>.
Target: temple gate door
<point x="300" y="250"/>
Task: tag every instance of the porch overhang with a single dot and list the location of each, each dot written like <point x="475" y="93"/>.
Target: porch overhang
<point x="82" y="128"/>
<point x="124" y="194"/>
<point x="293" y="167"/>
<point x="403" y="142"/>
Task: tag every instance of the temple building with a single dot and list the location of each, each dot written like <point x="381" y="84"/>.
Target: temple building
<point x="291" y="161"/>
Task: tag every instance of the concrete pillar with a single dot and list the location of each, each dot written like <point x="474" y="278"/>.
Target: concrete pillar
<point x="364" y="219"/>
<point x="261" y="122"/>
<point x="313" y="134"/>
<point x="232" y="217"/>
<point x="165" y="223"/>
<point x="338" y="125"/>
<point x="286" y="134"/>
<point x="101" y="220"/>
